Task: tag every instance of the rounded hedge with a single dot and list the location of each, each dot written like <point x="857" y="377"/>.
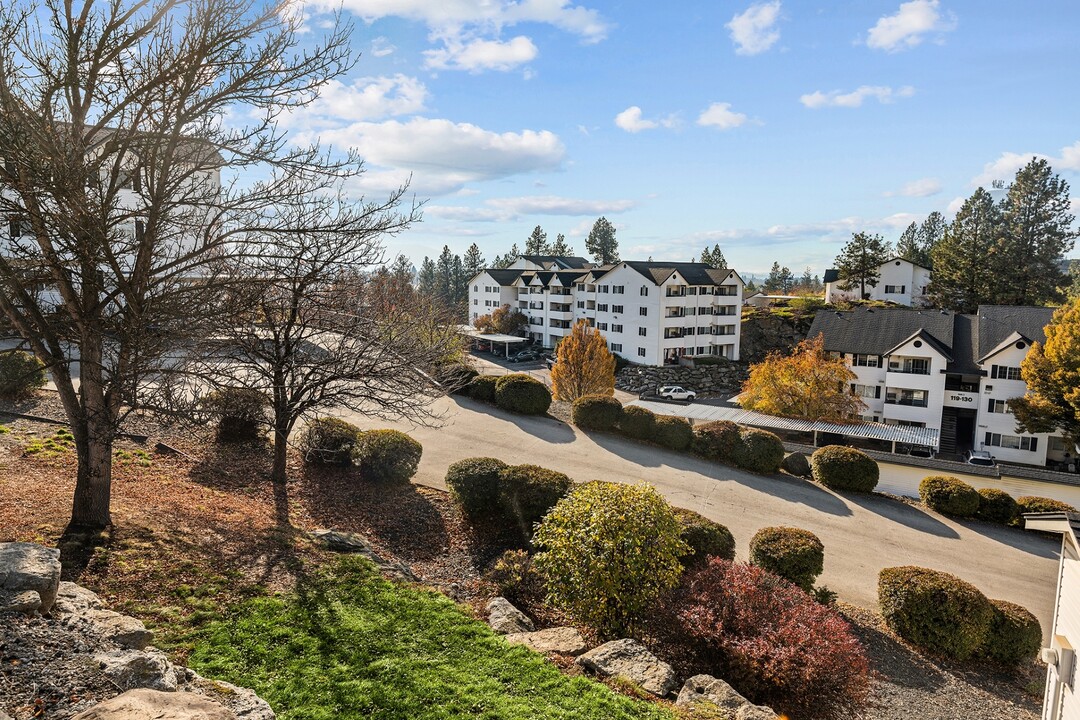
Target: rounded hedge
<point x="796" y="464"/>
<point x="934" y="610"/>
<point x="1034" y="504"/>
<point x="1015" y="635"/>
<point x="597" y="412"/>
<point x="794" y="554"/>
<point x="387" y="456"/>
<point x="996" y="506"/>
<point x="529" y="492"/>
<point x="674" y="433"/>
<point x="949" y="495"/>
<point x="329" y="441"/>
<point x="716" y="440"/>
<point x="706" y="538"/>
<point x="759" y="451"/>
<point x="20" y="374"/>
<point x="838" y="467"/>
<point x="523" y="394"/>
<point x="637" y="423"/>
<point x="474" y="484"/>
<point x="241" y="413"/>
<point x="482" y="388"/>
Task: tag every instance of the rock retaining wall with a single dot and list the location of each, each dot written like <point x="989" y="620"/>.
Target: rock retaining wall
<point x="717" y="380"/>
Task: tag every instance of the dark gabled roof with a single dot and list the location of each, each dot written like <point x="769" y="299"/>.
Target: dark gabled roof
<point x="569" y="277"/>
<point x="544" y="277"/>
<point x="504" y="277"/>
<point x="563" y="262"/>
<point x="693" y="273"/>
<point x="831" y="275"/>
<point x="998" y="322"/>
<point x="897" y="257"/>
<point x="929" y="339"/>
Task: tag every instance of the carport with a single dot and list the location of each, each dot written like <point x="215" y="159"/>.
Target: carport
<point x="505" y="340"/>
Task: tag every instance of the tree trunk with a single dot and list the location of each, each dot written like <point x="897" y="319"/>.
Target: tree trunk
<point x="93" y="483"/>
<point x="281" y="456"/>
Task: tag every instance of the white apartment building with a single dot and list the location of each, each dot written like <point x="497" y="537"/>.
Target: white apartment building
<point x="651" y="313"/>
<point x="942" y="370"/>
<point x="901" y="282"/>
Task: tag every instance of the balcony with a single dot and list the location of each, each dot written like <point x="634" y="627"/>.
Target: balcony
<point x="729" y="310"/>
<point x="679" y="291"/>
<point x="675" y="312"/>
<point x="562" y="324"/>
<point x="909" y="366"/>
<point x="670" y="333"/>
<point x="726" y="290"/>
<point x="536" y="306"/>
<point x="909" y="398"/>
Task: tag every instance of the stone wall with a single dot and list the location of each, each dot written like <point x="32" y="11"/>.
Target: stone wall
<point x="706" y="380"/>
<point x="764" y="332"/>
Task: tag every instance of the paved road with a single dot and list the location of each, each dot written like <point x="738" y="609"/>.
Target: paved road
<point x="862" y="535"/>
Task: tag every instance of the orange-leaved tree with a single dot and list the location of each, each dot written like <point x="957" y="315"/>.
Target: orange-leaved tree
<point x="583" y="366"/>
<point x="808" y="384"/>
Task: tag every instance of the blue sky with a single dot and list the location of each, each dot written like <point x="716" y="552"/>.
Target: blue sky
<point x="775" y="129"/>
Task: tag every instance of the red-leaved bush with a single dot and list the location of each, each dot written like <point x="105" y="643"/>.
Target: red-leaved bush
<point x="774" y="643"/>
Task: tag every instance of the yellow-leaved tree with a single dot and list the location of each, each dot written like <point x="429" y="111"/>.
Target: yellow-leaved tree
<point x="1052" y="373"/>
<point x="583" y="366"/>
<point x="808" y="384"/>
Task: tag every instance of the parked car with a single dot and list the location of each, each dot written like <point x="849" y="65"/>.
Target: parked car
<point x="921" y="451"/>
<point x="979" y="457"/>
<point x="676" y="392"/>
<point x="525" y="356"/>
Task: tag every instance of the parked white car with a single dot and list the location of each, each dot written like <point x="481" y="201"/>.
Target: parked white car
<point x="979" y="457"/>
<point x="676" y="392"/>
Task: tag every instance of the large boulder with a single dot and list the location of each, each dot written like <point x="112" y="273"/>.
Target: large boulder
<point x="557" y="641"/>
<point x="243" y="703"/>
<point x="505" y="619"/>
<point x="131" y="669"/>
<point x="707" y="694"/>
<point x="796" y="464"/>
<point x="630" y="659"/>
<point x="155" y="705"/>
<point x="28" y="568"/>
<point x="124" y="630"/>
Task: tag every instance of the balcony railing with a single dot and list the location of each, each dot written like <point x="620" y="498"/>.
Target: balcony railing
<point x="910" y="367"/>
<point x="726" y="291"/>
<point x="676" y="292"/>
<point x="675" y="312"/>
<point x="909" y="401"/>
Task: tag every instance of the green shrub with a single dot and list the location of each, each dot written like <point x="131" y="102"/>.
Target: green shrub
<point x="515" y="576"/>
<point x="1015" y="635"/>
<point x="843" y="468"/>
<point x="597" y="412"/>
<point x="474" y="484"/>
<point x="387" y="456"/>
<point x="716" y="440"/>
<point x="637" y="423"/>
<point x="759" y="451"/>
<point x="459" y="378"/>
<point x="240" y="412"/>
<point x="20" y="374"/>
<point x="1034" y="504"/>
<point x="523" y="394"/>
<point x="949" y="495"/>
<point x="794" y="554"/>
<point x="996" y="506"/>
<point x="529" y="492"/>
<point x="608" y="551"/>
<point x="934" y="610"/>
<point x="706" y="538"/>
<point x="674" y="433"/>
<point x="796" y="464"/>
<point x="329" y="441"/>
<point x="482" y="388"/>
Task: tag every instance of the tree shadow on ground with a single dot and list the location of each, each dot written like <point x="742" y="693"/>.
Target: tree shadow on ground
<point x="902" y="513"/>
<point x="544" y="427"/>
<point x="893" y="661"/>
<point x="1034" y="543"/>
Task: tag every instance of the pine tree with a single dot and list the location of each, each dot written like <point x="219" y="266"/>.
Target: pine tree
<point x="473" y="261"/>
<point x="402" y="270"/>
<point x="930" y="233"/>
<point x="907" y="246"/>
<point x="583" y="366"/>
<point x="559" y="248"/>
<point x="780" y="281"/>
<point x="964" y="276"/>
<point x="537" y="243"/>
<point x="425" y="281"/>
<point x="1037" y="232"/>
<point x="806" y="282"/>
<point x="859" y="261"/>
<point x="445" y="277"/>
<point x="714" y="257"/>
<point x="601" y="243"/>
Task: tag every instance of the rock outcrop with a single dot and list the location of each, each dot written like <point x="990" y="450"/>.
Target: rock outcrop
<point x="156" y="705"/>
<point x="551" y="641"/>
<point x="705" y="380"/>
<point x="796" y="464"/>
<point x="353" y="544"/>
<point x="506" y="619"/>
<point x="631" y="660"/>
<point x="29" y="577"/>
<point x="712" y="697"/>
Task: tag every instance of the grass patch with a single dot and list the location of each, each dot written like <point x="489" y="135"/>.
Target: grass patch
<point x="349" y="644"/>
<point x="61" y="442"/>
<point x="133" y="457"/>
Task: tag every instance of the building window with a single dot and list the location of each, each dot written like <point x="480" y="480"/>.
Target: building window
<point x="616" y="309"/>
<point x="644" y="291"/>
<point x="701" y="350"/>
<point x="1012" y="442"/>
<point x="581" y="287"/>
<point x="1005" y="372"/>
<point x="691" y="291"/>
<point x="642" y="332"/>
<point x="895" y="289"/>
<point x="903" y="396"/>
<point x="475" y="301"/>
<point x="865" y="361"/>
<point x="997" y="406"/>
<point x="910" y="366"/>
<point x="643" y="311"/>
<point x="476" y="288"/>
<point x="603" y="288"/>
<point x="616" y="347"/>
<point x="1057" y="444"/>
<point x="866" y="391"/>
<point x="618" y="289"/>
<point x="602" y="307"/>
<point x="692" y="311"/>
<point x="581" y="304"/>
<point x="616" y="328"/>
<point x="641" y="352"/>
<point x="601" y="326"/>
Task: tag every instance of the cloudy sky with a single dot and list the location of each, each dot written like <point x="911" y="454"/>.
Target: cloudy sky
<point x="773" y="128"/>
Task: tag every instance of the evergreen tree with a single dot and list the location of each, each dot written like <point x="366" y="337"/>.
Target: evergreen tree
<point x="559" y="248"/>
<point x="930" y="233"/>
<point x="714" y="257"/>
<point x="964" y="276"/>
<point x="859" y="261"/>
<point x="402" y="270"/>
<point x="537" y="243"/>
<point x="1037" y="232"/>
<point x="601" y="243"/>
<point x="907" y="246"/>
<point x="425" y="280"/>
<point x="806" y="282"/>
<point x="473" y="261"/>
<point x="445" y="275"/>
<point x="780" y="281"/>
<point x="459" y="284"/>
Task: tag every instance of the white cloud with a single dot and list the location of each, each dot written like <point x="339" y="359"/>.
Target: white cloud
<point x="754" y="30"/>
<point x="369" y="98"/>
<point x="478" y="55"/>
<point x="855" y="98"/>
<point x="631" y="121"/>
<point x="924" y="187"/>
<point x="721" y="117"/>
<point x="1005" y="167"/>
<point x="381" y="47"/>
<point x="508" y="209"/>
<point x="954" y="205"/>
<point x="909" y="25"/>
